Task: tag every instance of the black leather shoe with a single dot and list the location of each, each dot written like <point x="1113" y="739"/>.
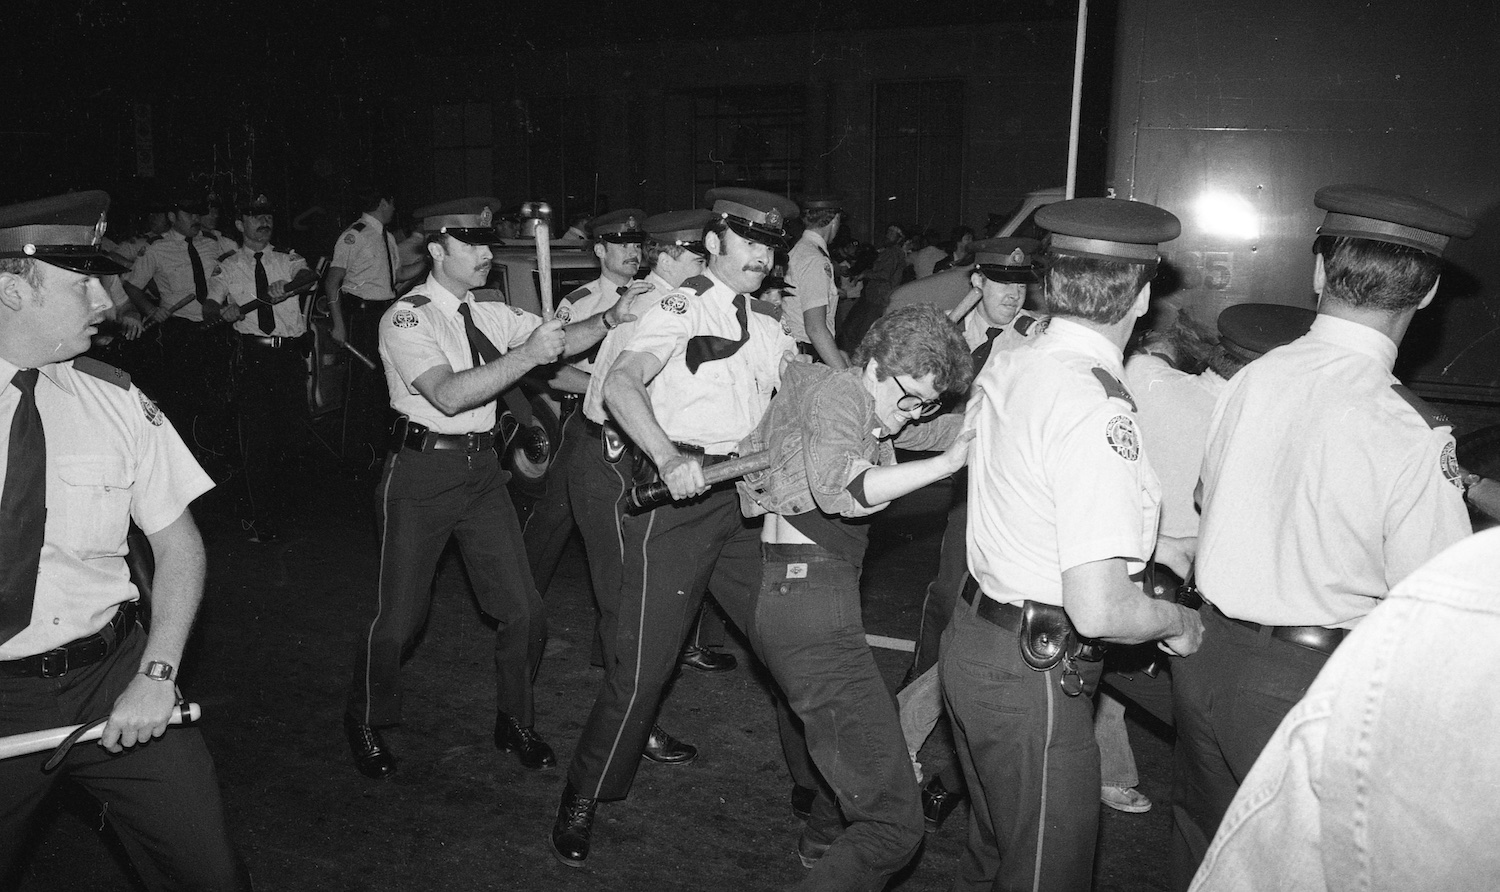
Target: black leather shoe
<point x="371" y="756"/>
<point x="667" y="750"/>
<point x="937" y="803"/>
<point x="531" y="749"/>
<point x="573" y="827"/>
<point x="706" y="659"/>
<point x="810" y="852"/>
<point x="802" y="801"/>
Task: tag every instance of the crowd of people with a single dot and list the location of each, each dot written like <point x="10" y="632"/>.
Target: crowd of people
<point x="1200" y="527"/>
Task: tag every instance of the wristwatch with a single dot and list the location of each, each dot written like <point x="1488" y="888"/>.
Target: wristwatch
<point x="156" y="670"/>
<point x="608" y="325"/>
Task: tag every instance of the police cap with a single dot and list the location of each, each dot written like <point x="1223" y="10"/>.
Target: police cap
<point x="469" y="220"/>
<point x="620" y="227"/>
<point x="258" y="206"/>
<point x="1386" y="216"/>
<point x="1251" y="329"/>
<point x="755" y="215"/>
<point x="1011" y="260"/>
<point x="1108" y="229"/>
<point x="822" y="203"/>
<point x="681" y="228"/>
<point x="64" y="230"/>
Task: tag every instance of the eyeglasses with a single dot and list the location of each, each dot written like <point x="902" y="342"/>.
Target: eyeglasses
<point x="916" y="405"/>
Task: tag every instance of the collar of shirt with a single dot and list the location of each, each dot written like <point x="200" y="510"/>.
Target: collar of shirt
<point x="51" y="371"/>
<point x="1353" y="336"/>
<point x="374" y="223"/>
<point x="1080" y="337"/>
<point x="658" y="283"/>
<point x="815" y="239"/>
<point x="726" y="294"/>
<point x="435" y="292"/>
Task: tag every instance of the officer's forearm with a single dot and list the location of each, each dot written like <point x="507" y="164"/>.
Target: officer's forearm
<point x="176" y="589"/>
<point x="583" y="334"/>
<point x="139" y="299"/>
<point x="569" y="379"/>
<point x="1104" y="603"/>
<point x="629" y="405"/>
<point x="461" y="391"/>
<point x="822" y="342"/>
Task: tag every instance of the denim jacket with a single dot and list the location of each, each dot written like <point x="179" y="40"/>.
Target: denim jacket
<point x="822" y="432"/>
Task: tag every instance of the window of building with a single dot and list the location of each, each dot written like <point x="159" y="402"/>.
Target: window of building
<point x="919" y="146"/>
<point x="463" y="157"/>
<point x="749" y="136"/>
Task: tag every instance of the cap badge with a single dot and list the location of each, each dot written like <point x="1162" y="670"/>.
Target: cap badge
<point x="1017" y="258"/>
<point x="99" y="229"/>
<point x="485" y="216"/>
<point x="630" y="223"/>
<point x="773" y="218"/>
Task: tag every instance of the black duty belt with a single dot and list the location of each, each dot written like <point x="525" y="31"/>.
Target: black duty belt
<point x="416" y="437"/>
<point x="360" y="303"/>
<point x="275" y="341"/>
<point x="76" y="654"/>
<point x="1314" y="638"/>
<point x="1008" y="617"/>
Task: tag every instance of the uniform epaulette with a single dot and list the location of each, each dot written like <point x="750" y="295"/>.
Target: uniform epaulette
<point x="1113" y="387"/>
<point x="1433" y="417"/>
<point x="417" y="300"/>
<point x="581" y="291"/>
<point x="488" y="295"/>
<point x="153" y="238"/>
<point x="1024" y="325"/>
<point x="103" y="371"/>
<point x="824" y="251"/>
<point x="223" y="257"/>
<point x="357" y="226"/>
<point x="698" y="284"/>
<point x="766" y="308"/>
<point x="288" y="251"/>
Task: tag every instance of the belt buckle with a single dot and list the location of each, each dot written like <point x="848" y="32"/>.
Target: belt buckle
<point x="54" y="663"/>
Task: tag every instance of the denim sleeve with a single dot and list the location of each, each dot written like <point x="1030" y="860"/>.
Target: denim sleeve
<point x="840" y="444"/>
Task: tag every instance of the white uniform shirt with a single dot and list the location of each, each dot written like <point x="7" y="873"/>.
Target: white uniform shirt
<point x="977" y="330"/>
<point x="1175" y="409"/>
<point x="583" y="302"/>
<point x="366" y="252"/>
<point x="233" y="281"/>
<point x="716" y="407"/>
<point x="112" y="456"/>
<point x="1322" y="487"/>
<point x="810" y="273"/>
<point x="424" y="331"/>
<point x="166" y="260"/>
<point x="609" y="350"/>
<point x="1057" y="475"/>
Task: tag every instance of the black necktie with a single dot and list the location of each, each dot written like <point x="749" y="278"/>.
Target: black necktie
<point x="481" y="348"/>
<point x="707" y="348"/>
<point x="982" y="352"/>
<point x="200" y="281"/>
<point x="265" y="315"/>
<point x="23" y="509"/>
<point x="390" y="260"/>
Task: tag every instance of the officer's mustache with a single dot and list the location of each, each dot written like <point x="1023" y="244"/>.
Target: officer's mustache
<point x="756" y="268"/>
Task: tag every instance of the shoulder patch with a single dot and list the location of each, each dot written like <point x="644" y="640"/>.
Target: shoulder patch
<point x="103" y="371"/>
<point x="765" y="308"/>
<point x="1120" y="432"/>
<point x="150" y="410"/>
<point x="576" y="294"/>
<point x="675" y="303"/>
<point x="1113" y="387"/>
<point x="349" y="238"/>
<point x="404" y="318"/>
<point x="1448" y="461"/>
<point x="564" y="312"/>
<point x="699" y="284"/>
<point x="417" y="300"/>
<point x="1433" y="417"/>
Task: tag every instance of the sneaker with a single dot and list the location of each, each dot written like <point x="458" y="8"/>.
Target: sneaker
<point x="1126" y="799"/>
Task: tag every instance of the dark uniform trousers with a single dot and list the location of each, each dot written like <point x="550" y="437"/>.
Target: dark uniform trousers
<point x="809" y="630"/>
<point x="551" y="520"/>
<point x="161" y="797"/>
<point x="1029" y="759"/>
<point x="1229" y="698"/>
<point x="936" y="755"/>
<point x="670" y="556"/>
<point x="422" y="499"/>
<point x="368" y="408"/>
<point x="195" y="380"/>
<point x="271" y="404"/>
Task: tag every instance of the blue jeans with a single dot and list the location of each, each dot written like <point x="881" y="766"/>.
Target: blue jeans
<point x="810" y="633"/>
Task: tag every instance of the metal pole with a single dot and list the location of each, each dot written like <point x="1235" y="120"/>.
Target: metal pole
<point x="1083" y="22"/>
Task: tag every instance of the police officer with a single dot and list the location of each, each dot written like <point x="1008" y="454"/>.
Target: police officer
<point x="256" y="287"/>
<point x="447" y="356"/>
<point x="695" y="379"/>
<point x="618" y="238"/>
<point x="811" y="304"/>
<point x="1325" y="482"/>
<point x="87" y="453"/>
<point x="992" y="321"/>
<point x="1062" y="510"/>
<point x="179" y="263"/>
<point x="360" y="285"/>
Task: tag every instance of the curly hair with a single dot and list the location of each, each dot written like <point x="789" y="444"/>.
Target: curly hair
<point x="919" y="340"/>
